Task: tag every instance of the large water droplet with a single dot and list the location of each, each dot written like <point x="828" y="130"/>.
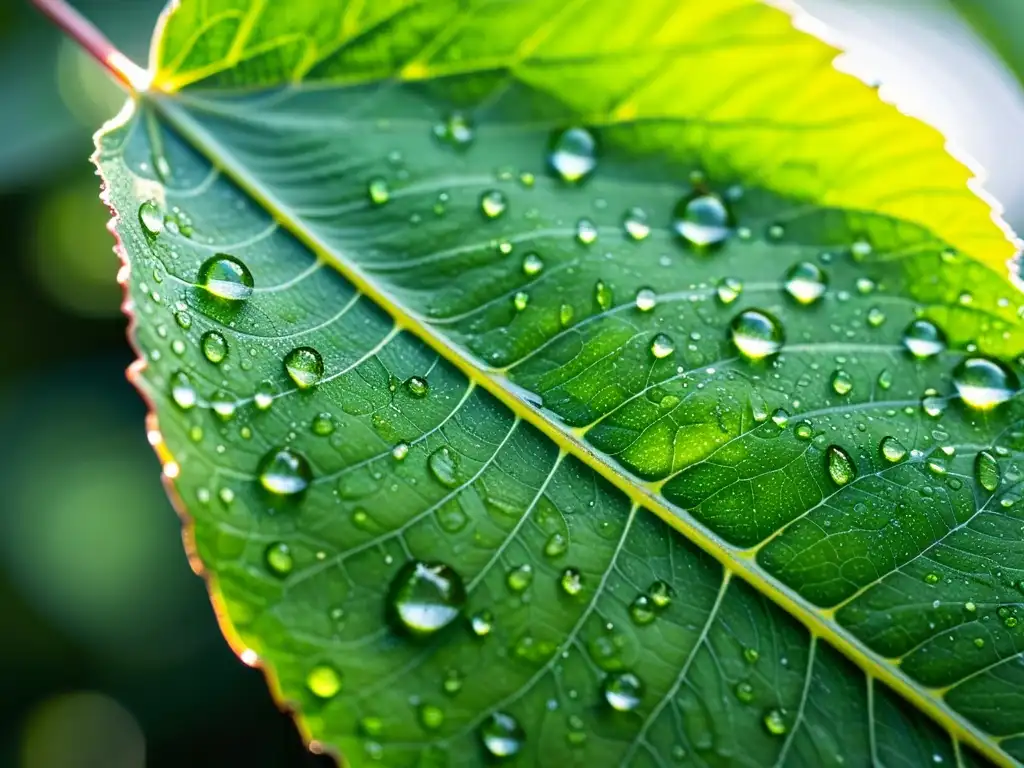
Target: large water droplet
<point x="983" y="384"/>
<point x="892" y="449"/>
<point x="183" y="392"/>
<point x="304" y="366"/>
<point x="806" y="282"/>
<point x="840" y="466"/>
<point x="646" y="299"/>
<point x="151" y="219"/>
<point x="323" y="681"/>
<point x="425" y="597"/>
<point x="284" y="472"/>
<point x="756" y="334"/>
<point x="623" y="691"/>
<point x="573" y="154"/>
<point x="214" y="346"/>
<point x="226" y="278"/>
<point x="493" y="203"/>
<point x="924" y="339"/>
<point x="702" y="220"/>
<point x="986" y="471"/>
<point x="502" y="735"/>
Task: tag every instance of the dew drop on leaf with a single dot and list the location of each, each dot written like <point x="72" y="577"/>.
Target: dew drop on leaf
<point x="751" y="655"/>
<point x="775" y="722"/>
<point x="804" y="430"/>
<point x="892" y="449"/>
<point x="660" y="594"/>
<point x="304" y="366"/>
<point x="493" y="203"/>
<point x="279" y="559"/>
<point x="400" y="451"/>
<point x="263" y="397"/>
<point x="565" y="315"/>
<point x="641" y="610"/>
<point x="983" y="384"/>
<point x="284" y="472"/>
<point x="223" y="404"/>
<point x="744" y="692"/>
<point x="214" y="346"/>
<point x="986" y="471"/>
<point x="322" y="424"/>
<point x="806" y="282"/>
<point x="840" y="465"/>
<point x="519" y="578"/>
<point x="456" y="129"/>
<point x="443" y="466"/>
<point x="646" y="299"/>
<point x="586" y="231"/>
<point x="728" y="290"/>
<point x="183" y="392"/>
<point x="636" y="225"/>
<point x="520" y="300"/>
<point x="571" y="582"/>
<point x="924" y="339"/>
<point x="431" y="716"/>
<point x="573" y="154"/>
<point x="417" y="386"/>
<point x="502" y="735"/>
<point x="662" y="346"/>
<point x="933" y="404"/>
<point x="323" y="681"/>
<point x="842" y="382"/>
<point x="532" y="264"/>
<point x="623" y="691"/>
<point x="378" y="191"/>
<point x="884" y="379"/>
<point x="756" y="334"/>
<point x="556" y="545"/>
<point x="482" y="622"/>
<point x="603" y="295"/>
<point x="702" y="220"/>
<point x="226" y="278"/>
<point x="875" y="317"/>
<point x="425" y="597"/>
<point x="151" y="219"/>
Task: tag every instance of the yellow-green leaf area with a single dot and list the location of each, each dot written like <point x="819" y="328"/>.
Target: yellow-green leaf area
<point x="592" y="382"/>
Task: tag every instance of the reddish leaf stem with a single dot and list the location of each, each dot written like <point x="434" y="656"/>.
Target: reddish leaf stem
<point x="127" y="73"/>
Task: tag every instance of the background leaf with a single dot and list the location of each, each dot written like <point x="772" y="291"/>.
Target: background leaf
<point x="509" y="366"/>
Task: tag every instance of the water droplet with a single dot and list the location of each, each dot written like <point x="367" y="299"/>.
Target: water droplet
<point x="603" y="295"/>
<point x="932" y="403"/>
<point x="304" y="366"/>
<point x="444" y="466"/>
<point x="924" y="339"/>
<point x="983" y="384"/>
<point x="378" y="191"/>
<point x="842" y="382"/>
<point x="892" y="449"/>
<point x="502" y="735"/>
<point x="565" y="315"/>
<point x="323" y="682"/>
<point x="756" y="334"/>
<point x="431" y="716"/>
<point x="322" y="424"/>
<point x="456" y="129"/>
<point x="660" y="594"/>
<point x="702" y="220"/>
<point x="635" y="224"/>
<point x="400" y="451"/>
<point x="970" y="607"/>
<point x="284" y="472"/>
<point x="425" y="597"/>
<point x="182" y="391"/>
<point x="493" y="203"/>
<point x="986" y="471"/>
<point x="728" y="290"/>
<point x="586" y="231"/>
<point x="641" y="610"/>
<point x="263" y="397"/>
<point x="840" y="465"/>
<point x="532" y="264"/>
<point x="151" y="219"/>
<point x="519" y="578"/>
<point x="214" y="346"/>
<point x="556" y="545"/>
<point x="885" y="379"/>
<point x="806" y="282"/>
<point x="623" y="691"/>
<point x="520" y="300"/>
<point x="875" y="317"/>
<point x="482" y="623"/>
<point x="662" y="346"/>
<point x="751" y="655"/>
<point x="573" y="154"/>
<point x="225" y="277"/>
<point x="223" y="404"/>
<point x="417" y="386"/>
<point x="780" y="418"/>
<point x="646" y="299"/>
<point x="279" y="559"/>
<point x="775" y="722"/>
<point x="804" y="430"/>
<point x="571" y="581"/>
<point x="744" y="692"/>
<point x="979" y="642"/>
<point x="931" y="578"/>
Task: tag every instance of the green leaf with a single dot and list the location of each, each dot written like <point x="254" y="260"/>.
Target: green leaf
<point x="461" y="418"/>
<point x="999" y="22"/>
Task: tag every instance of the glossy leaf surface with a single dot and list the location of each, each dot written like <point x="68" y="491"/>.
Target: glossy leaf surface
<point x="579" y="383"/>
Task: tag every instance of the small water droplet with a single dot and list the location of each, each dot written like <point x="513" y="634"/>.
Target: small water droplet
<point x="744" y="692"/>
<point x="641" y="610"/>
<point x="520" y="300"/>
<point x="565" y="315"/>
<point x="623" y="691"/>
<point x="502" y="735"/>
<point x="456" y="129"/>
<point x="636" y="225"/>
<point x="493" y="203"/>
<point x="986" y="471"/>
<point x="556" y="545"/>
<point x="223" y="404"/>
<point x="431" y="716"/>
<point x="603" y="295"/>
<point x="804" y="430"/>
<point x="924" y="339"/>
<point x="571" y="581"/>
<point x="756" y="334"/>
<point x="151" y="219"/>
<point x="660" y="594"/>
<point x="304" y="366"/>
<point x="806" y="282"/>
<point x="983" y="384"/>
<point x="728" y="290"/>
<point x="263" y="397"/>
<point x="875" y="317"/>
<point x="400" y="451"/>
<point x="751" y="655"/>
<point x="933" y="404"/>
<point x="842" y="382"/>
<point x="931" y="578"/>
<point x="322" y="424"/>
<point x="892" y="449"/>
<point x="573" y="154"/>
<point x="226" y="278"/>
<point x="183" y="392"/>
<point x="775" y="722"/>
<point x="532" y="264"/>
<point x="425" y="597"/>
<point x="662" y="346"/>
<point x="586" y="231"/>
<point x="214" y="346"/>
<point x="279" y="559"/>
<point x="378" y="191"/>
<point x="884" y="379"/>
<point x="284" y="472"/>
<point x="323" y="681"/>
<point x="646" y="299"/>
<point x="417" y="386"/>
<point x="702" y="220"/>
<point x="482" y="623"/>
<point x="444" y="466"/>
<point x="518" y="579"/>
<point x="840" y="466"/>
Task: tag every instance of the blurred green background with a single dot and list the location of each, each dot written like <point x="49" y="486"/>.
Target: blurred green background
<point x="109" y="653"/>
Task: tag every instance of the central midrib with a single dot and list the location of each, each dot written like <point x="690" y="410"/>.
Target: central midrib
<point x="740" y="562"/>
